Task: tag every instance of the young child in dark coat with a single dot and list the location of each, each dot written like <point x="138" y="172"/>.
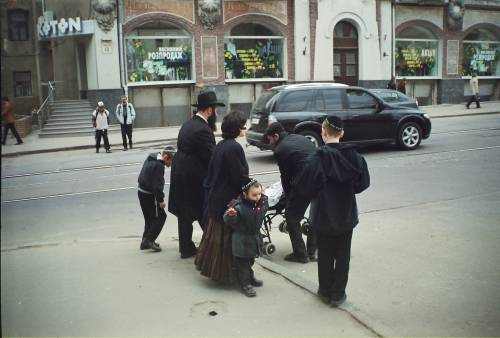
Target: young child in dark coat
<point x="245" y="215"/>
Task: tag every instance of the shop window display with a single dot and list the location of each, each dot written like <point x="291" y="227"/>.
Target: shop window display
<point x="253" y="52"/>
<point x="153" y="58"/>
<point x="481" y="53"/>
<point x="417" y="58"/>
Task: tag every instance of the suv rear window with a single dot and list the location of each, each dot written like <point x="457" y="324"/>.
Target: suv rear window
<point x="294" y="101"/>
<point x="329" y="99"/>
<point x="263" y="100"/>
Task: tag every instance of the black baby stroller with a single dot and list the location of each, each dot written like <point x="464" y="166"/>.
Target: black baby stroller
<point x="277" y="203"/>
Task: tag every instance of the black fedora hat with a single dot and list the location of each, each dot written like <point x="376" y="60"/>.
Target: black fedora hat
<point x="208" y="99"/>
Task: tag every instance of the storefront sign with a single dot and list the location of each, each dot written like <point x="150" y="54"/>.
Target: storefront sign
<point x="182" y="8"/>
<point x="168" y="53"/>
<point x="276" y="8"/>
<point x="53" y="27"/>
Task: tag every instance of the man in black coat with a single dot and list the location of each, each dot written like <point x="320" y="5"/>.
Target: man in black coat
<point x="151" y="197"/>
<point x="291" y="153"/>
<point x="195" y="145"/>
<point x="331" y="178"/>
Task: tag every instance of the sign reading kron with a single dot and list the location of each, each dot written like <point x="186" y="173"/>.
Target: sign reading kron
<point x="48" y="28"/>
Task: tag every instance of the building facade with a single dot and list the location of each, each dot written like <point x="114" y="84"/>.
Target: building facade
<point x="161" y="53"/>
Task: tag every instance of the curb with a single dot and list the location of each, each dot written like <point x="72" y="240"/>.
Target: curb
<point x="87" y="146"/>
<point x="465" y="114"/>
<point x="312" y="288"/>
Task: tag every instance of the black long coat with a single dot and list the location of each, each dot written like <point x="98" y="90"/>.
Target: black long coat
<point x="330" y="180"/>
<point x="228" y="172"/>
<point x="195" y="145"/>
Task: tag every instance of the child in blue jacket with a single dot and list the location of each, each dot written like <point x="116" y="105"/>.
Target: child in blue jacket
<point x="245" y="215"/>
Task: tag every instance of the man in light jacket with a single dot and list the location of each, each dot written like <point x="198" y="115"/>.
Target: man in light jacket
<point x="125" y="114"/>
<point x="474" y="89"/>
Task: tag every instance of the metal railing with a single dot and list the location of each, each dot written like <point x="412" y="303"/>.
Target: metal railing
<point x="42" y="114"/>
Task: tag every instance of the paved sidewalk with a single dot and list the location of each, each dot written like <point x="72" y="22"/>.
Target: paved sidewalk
<point x="33" y="144"/>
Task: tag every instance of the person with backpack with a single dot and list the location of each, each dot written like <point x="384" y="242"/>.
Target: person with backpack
<point x="100" y="121"/>
<point x="125" y="113"/>
<point x="331" y="179"/>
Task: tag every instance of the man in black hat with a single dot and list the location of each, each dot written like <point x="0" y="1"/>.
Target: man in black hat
<point x="195" y="145"/>
<point x="151" y="183"/>
<point x="291" y="153"/>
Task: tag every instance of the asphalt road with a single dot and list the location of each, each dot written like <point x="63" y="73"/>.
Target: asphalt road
<point x="425" y="258"/>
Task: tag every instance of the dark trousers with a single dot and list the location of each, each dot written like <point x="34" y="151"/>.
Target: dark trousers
<point x="185" y="218"/>
<point x="296" y="206"/>
<point x="104" y="134"/>
<point x="154" y="216"/>
<point x="334" y="254"/>
<point x="126" y="132"/>
<point x="12" y="127"/>
<point x="474" y="98"/>
<point x="243" y="268"/>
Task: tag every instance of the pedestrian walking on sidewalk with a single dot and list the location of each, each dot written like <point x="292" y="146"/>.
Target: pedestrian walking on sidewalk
<point x="392" y="84"/>
<point x="245" y="215"/>
<point x="125" y="113"/>
<point x="195" y="145"/>
<point x="474" y="89"/>
<point x="9" y="121"/>
<point x="401" y="84"/>
<point x="100" y="121"/>
<point x="151" y="197"/>
<point x="332" y="177"/>
<point x="292" y="153"/>
<point x="227" y="174"/>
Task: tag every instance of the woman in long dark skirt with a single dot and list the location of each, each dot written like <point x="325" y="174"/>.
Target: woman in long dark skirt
<point x="227" y="173"/>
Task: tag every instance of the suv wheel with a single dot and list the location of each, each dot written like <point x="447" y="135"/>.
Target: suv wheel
<point x="313" y="137"/>
<point x="409" y="136"/>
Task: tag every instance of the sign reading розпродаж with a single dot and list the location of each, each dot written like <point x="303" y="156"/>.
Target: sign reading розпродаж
<point x="169" y="53"/>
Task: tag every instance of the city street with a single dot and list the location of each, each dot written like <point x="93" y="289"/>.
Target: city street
<point x="425" y="256"/>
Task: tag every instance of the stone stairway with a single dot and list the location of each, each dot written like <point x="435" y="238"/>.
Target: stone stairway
<point x="71" y="118"/>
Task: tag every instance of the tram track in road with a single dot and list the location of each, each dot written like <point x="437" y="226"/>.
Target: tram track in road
<point x="260" y="173"/>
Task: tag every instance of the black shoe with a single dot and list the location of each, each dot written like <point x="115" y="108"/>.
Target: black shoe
<point x="144" y="245"/>
<point x="293" y="258"/>
<point x="249" y="291"/>
<point x="337" y="301"/>
<point x="325" y="297"/>
<point x="313" y="258"/>
<point x="130" y="145"/>
<point x="188" y="254"/>
<point x="108" y="151"/>
<point x="97" y="151"/>
<point x="154" y="246"/>
<point x="21" y="142"/>
<point x="125" y="148"/>
<point x="256" y="282"/>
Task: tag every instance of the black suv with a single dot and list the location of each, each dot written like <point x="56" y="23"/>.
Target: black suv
<point x="301" y="108"/>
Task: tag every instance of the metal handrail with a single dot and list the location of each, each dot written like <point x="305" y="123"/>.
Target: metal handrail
<point x="42" y="114"/>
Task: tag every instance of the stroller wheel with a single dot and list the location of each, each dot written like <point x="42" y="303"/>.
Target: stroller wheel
<point x="269" y="249"/>
<point x="306" y="228"/>
<point x="282" y="227"/>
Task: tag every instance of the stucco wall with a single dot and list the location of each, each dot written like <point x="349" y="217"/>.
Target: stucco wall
<point x="473" y="17"/>
<point x="302" y="41"/>
<point x="362" y="14"/>
<point x="409" y="13"/>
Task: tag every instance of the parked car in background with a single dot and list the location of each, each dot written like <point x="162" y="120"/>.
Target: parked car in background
<point x="396" y="98"/>
<point x="301" y="108"/>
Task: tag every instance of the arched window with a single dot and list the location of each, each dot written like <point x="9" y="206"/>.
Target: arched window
<point x="17" y="20"/>
<point x="417" y="52"/>
<point x="481" y="53"/>
<point x="253" y="51"/>
<point x="158" y="52"/>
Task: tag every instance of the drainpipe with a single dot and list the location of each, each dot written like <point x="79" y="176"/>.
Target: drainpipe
<point x="393" y="50"/>
<point x="120" y="48"/>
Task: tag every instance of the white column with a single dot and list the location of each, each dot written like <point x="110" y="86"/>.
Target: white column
<point x="302" y="36"/>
